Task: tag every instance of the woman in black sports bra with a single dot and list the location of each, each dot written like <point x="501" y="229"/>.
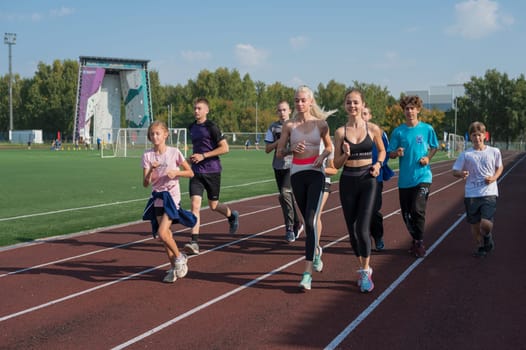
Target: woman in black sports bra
<point x="353" y="145"/>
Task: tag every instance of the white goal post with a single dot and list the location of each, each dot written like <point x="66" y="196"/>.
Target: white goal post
<point x="132" y="142"/>
<point x="455" y="145"/>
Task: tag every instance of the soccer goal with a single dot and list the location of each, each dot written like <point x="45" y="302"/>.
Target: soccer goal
<point x="132" y="142"/>
<point x="455" y="145"/>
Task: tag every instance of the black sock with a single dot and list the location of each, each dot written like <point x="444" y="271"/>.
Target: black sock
<point x="195" y="237"/>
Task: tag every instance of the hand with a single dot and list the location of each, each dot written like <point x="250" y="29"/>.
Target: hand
<point x="375" y="169"/>
<point x="197" y="157"/>
<point x="346" y="148"/>
<point x="424" y="161"/>
<point x="300" y="147"/>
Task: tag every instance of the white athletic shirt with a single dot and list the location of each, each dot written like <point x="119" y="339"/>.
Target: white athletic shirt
<point x="479" y="164"/>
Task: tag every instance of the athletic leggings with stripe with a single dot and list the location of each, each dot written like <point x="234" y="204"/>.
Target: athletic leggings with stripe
<point x="307" y="186"/>
<point x="357" y="194"/>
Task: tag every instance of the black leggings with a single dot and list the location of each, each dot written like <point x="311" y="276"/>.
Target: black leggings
<point x="357" y="194"/>
<point x="307" y="186"/>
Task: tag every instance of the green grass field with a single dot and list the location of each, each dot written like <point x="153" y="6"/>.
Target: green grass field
<point x="48" y="193"/>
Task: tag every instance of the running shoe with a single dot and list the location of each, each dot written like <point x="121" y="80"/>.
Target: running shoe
<point x="233" y="222"/>
<point x="191" y="248"/>
<point x="380" y="245"/>
<point x="290" y="236"/>
<point x="298" y="229"/>
<point x="317" y="264"/>
<point x="489" y="243"/>
<point x="366" y="283"/>
<point x="420" y="249"/>
<point x="306" y="280"/>
<point x="411" y="249"/>
<point x="170" y="276"/>
<point x="181" y="266"/>
<point x="359" y="281"/>
<point x="480" y="252"/>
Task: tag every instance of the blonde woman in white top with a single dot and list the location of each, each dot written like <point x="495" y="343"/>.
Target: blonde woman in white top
<point x="304" y="131"/>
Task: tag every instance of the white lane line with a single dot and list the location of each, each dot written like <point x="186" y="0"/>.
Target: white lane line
<point x="365" y="313"/>
<point x="86" y="291"/>
<point x="120" y="246"/>
<point x="113" y="203"/>
<point x="243" y="287"/>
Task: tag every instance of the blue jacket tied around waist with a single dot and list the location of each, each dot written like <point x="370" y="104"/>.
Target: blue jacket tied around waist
<point x="178" y="216"/>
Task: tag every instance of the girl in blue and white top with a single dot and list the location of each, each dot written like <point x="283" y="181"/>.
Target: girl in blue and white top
<point x="304" y="131"/>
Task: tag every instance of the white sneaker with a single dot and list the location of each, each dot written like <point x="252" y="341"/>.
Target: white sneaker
<point x="181" y="267"/>
<point x="170" y="276"/>
<point x="191" y="248"/>
<point x="317" y="263"/>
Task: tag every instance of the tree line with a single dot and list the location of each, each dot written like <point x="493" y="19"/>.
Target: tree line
<point x="47" y="101"/>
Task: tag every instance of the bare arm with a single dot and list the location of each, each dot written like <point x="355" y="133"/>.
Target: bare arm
<point x="281" y="147"/>
<point x="222" y="148"/>
<point x="427" y="159"/>
<point x="185" y="172"/>
<point x="498" y="173"/>
<point x="341" y="149"/>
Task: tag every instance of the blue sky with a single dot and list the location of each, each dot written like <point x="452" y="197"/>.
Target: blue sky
<point x="401" y="45"/>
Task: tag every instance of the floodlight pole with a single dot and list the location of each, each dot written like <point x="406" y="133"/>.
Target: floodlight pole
<point x="10" y="40"/>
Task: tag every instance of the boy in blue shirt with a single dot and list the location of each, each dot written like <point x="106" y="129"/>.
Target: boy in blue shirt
<point x="414" y="144"/>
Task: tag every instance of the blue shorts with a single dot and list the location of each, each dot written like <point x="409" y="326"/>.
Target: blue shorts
<point x="478" y="208"/>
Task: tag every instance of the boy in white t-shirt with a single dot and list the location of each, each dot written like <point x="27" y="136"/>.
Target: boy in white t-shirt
<point x="480" y="166"/>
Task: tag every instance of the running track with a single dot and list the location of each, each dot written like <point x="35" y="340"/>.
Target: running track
<point x="102" y="290"/>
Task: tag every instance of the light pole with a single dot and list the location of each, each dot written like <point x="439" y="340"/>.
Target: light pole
<point x="10" y="40"/>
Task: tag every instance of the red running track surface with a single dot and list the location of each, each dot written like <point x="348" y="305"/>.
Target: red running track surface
<point x="103" y="290"/>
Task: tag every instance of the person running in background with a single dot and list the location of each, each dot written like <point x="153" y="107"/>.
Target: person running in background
<point x="281" y="167"/>
<point x="414" y="143"/>
<point x="480" y="166"/>
<point x="304" y="132"/>
<point x="330" y="170"/>
<point x="208" y="144"/>
<point x="162" y="167"/>
<point x="353" y="149"/>
<point x="377" y="219"/>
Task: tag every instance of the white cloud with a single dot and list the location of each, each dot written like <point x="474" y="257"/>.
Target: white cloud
<point x="476" y="19"/>
<point x="248" y="55"/>
<point x="61" y="12"/>
<point x="192" y="56"/>
<point x="37" y="16"/>
<point x="299" y="42"/>
<point x="296" y="81"/>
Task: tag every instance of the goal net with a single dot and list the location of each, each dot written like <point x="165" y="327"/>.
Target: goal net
<point x="455" y="145"/>
<point x="132" y="142"/>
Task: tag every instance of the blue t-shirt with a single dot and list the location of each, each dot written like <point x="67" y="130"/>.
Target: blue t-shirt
<point x="416" y="141"/>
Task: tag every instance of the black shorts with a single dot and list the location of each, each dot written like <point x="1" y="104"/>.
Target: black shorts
<point x="478" y="208"/>
<point x="327" y="187"/>
<point x="209" y="182"/>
